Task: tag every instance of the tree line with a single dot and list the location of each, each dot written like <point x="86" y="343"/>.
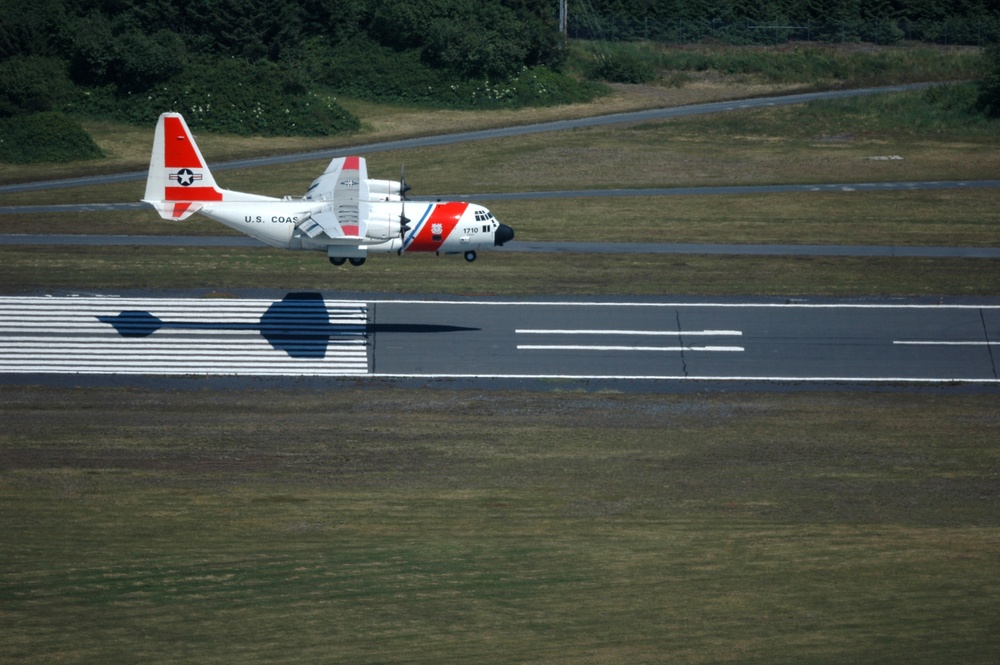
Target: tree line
<point x="265" y="67"/>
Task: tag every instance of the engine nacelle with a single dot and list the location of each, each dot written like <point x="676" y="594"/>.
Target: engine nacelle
<point x="382" y="228"/>
<point x="385" y="190"/>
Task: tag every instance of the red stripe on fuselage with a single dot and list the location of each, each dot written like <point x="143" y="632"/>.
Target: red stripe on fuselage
<point x="447" y="215"/>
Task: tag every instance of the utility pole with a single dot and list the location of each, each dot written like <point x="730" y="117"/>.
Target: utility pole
<point x="563" y="20"/>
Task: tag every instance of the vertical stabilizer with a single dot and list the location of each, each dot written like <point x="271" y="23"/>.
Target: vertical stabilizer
<point x="179" y="181"/>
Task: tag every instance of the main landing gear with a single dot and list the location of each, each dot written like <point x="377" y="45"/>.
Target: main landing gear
<point x="339" y="261"/>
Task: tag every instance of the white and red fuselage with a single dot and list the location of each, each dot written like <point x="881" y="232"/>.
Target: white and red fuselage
<point x="445" y="227"/>
<point x="343" y="213"/>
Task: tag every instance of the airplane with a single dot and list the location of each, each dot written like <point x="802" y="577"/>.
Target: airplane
<point x="343" y="212"/>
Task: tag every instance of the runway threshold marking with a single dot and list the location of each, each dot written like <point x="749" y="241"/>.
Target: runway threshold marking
<point x="95" y="335"/>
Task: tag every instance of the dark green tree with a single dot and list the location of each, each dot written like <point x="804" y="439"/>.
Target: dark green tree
<point x="989" y="87"/>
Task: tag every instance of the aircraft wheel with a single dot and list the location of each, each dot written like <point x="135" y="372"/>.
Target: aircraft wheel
<point x="470" y="256"/>
<point x="357" y="262"/>
<point x="337" y="260"/>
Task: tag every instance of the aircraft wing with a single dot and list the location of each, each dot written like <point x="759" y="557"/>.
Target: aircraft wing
<point x="345" y="185"/>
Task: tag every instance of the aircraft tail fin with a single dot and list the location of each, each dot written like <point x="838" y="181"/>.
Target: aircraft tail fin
<point x="179" y="181"/>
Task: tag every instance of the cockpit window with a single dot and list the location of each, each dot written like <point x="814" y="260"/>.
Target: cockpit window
<point x="483" y="215"/>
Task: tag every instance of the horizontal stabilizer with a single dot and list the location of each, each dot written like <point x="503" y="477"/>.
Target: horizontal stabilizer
<point x="175" y="210"/>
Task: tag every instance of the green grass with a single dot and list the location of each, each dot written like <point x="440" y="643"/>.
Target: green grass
<point x="393" y="525"/>
<point x="48" y="269"/>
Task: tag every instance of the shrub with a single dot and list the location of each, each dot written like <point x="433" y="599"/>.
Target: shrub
<point x="361" y="68"/>
<point x="29" y="84"/>
<point x="621" y="67"/>
<point x="989" y="87"/>
<point x="45" y="137"/>
<point x="108" y="52"/>
<point x="229" y="95"/>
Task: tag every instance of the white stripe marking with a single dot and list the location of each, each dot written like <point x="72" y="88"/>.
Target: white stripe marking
<point x="736" y="305"/>
<point x="681" y="377"/>
<point x="568" y="347"/>
<point x="665" y="333"/>
<point x="916" y="343"/>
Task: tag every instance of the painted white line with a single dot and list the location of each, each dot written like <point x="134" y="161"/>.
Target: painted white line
<point x="666" y="333"/>
<point x="210" y="355"/>
<point x="190" y="371"/>
<point x="790" y="305"/>
<point x="116" y="344"/>
<point x="680" y="377"/>
<point x="916" y="343"/>
<point x="124" y="303"/>
<point x="676" y="349"/>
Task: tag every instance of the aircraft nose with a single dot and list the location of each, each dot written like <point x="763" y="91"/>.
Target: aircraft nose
<point x="503" y="234"/>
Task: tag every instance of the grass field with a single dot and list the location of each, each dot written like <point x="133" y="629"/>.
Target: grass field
<point x="391" y="525"/>
<point x="55" y="269"/>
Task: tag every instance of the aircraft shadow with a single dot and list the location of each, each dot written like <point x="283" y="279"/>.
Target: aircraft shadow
<point x="298" y="324"/>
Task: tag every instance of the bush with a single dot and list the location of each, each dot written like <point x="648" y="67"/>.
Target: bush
<point x="229" y="95"/>
<point x="989" y="87"/>
<point x="45" y="137"/>
<point x="621" y="67"/>
<point x="107" y="52"/>
<point x="30" y="84"/>
<point x="362" y="68"/>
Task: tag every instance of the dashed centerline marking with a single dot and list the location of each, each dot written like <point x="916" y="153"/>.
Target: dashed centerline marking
<point x="676" y="349"/>
<point x="630" y="333"/>
<point x="932" y="343"/>
<point x="664" y="333"/>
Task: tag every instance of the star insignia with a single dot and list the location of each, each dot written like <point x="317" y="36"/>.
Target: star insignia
<point x="185" y="177"/>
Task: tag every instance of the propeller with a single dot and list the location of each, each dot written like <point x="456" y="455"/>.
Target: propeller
<point x="403" y="187"/>
<point x="404" y="221"/>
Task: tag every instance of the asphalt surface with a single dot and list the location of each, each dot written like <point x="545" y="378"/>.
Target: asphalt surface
<point x="312" y="335"/>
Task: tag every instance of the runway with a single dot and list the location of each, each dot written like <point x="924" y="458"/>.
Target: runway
<point x="312" y="335"/>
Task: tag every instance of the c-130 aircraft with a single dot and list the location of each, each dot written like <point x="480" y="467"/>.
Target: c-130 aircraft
<point x="344" y="213"/>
